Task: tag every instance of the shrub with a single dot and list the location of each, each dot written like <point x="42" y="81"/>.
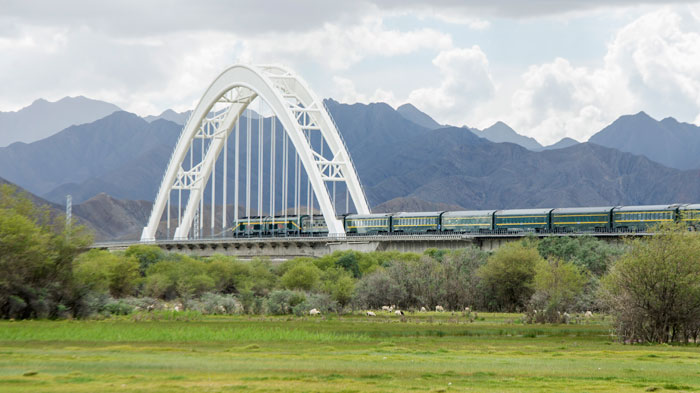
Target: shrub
<point x="146" y="255"/>
<point x="228" y="273"/>
<point x="558" y="285"/>
<point x="214" y="303"/>
<point x="584" y="251"/>
<point x="159" y="285"/>
<point x="118" y="307"/>
<point x="509" y="274"/>
<point x="103" y="271"/>
<point x="378" y="289"/>
<point x="653" y="291"/>
<point x="302" y="276"/>
<point x="36" y="256"/>
<point x="283" y="302"/>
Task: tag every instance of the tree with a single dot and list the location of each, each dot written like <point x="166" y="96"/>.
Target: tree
<point x="146" y="255"/>
<point x="228" y="273"/>
<point x="339" y="284"/>
<point x="105" y="272"/>
<point x="653" y="291"/>
<point x="36" y="257"/>
<point x="378" y="289"/>
<point x="584" y="251"/>
<point x="509" y="274"/>
<point x="558" y="285"/>
<point x="303" y="276"/>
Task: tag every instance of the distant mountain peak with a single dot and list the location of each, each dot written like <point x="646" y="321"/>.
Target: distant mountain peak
<point x="501" y="132"/>
<point x="411" y="113"/>
<point x="563" y="143"/>
<point x="668" y="141"/>
<point x="43" y="118"/>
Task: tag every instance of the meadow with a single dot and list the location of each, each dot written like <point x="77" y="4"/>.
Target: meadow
<point x="440" y="352"/>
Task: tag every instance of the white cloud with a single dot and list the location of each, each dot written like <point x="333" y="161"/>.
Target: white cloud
<point x="338" y="47"/>
<point x="150" y="73"/>
<point x="346" y="92"/>
<point x="466" y="81"/>
<point x="652" y="64"/>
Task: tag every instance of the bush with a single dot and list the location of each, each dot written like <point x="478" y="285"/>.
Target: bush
<point x="213" y="303"/>
<point x="653" y="291"/>
<point x="378" y="289"/>
<point x="146" y="255"/>
<point x="509" y="276"/>
<point x="558" y="285"/>
<point x="118" y="307"/>
<point x="303" y="276"/>
<point x="283" y="302"/>
<point x="228" y="273"/>
<point x="584" y="251"/>
<point x="36" y="256"/>
<point x="103" y="271"/>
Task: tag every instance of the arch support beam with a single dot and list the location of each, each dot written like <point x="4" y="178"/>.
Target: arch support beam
<point x="298" y="110"/>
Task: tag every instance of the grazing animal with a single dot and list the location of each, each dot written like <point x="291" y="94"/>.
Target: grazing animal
<point x="386" y="308"/>
<point x="398" y="312"/>
<point x="370" y="314"/>
<point x="467" y="309"/>
<point x="422" y="309"/>
<point x="588" y="314"/>
<point x="439" y="308"/>
<point x="314" y="311"/>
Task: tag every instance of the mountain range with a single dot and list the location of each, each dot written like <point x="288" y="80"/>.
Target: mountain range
<point x="405" y="160"/>
<point x="668" y="141"/>
<point x="42" y="118"/>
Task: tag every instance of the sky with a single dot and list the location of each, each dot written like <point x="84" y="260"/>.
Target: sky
<point x="549" y="69"/>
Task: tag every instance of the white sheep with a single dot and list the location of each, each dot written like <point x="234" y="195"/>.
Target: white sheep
<point x="370" y="314"/>
<point x="422" y="309"/>
<point x="398" y="312"/>
<point x="439" y="308"/>
<point x="386" y="308"/>
<point x="588" y="314"/>
<point x="314" y="311"/>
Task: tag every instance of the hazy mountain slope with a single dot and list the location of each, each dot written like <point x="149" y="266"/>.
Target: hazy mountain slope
<point x="413" y="114"/>
<point x="412" y="204"/>
<point x="454" y="167"/>
<point x="42" y="118"/>
<point x="81" y="152"/>
<point x="668" y="142"/>
<point x="170" y="115"/>
<point x="563" y="143"/>
<point x="501" y="132"/>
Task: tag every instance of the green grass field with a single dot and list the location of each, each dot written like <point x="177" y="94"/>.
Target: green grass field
<point x="430" y="352"/>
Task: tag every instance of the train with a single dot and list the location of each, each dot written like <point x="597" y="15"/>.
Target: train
<point x="549" y="220"/>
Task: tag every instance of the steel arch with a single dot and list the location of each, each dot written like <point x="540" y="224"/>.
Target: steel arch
<point x="288" y="96"/>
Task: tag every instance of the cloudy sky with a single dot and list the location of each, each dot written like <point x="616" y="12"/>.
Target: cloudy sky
<point x="548" y="68"/>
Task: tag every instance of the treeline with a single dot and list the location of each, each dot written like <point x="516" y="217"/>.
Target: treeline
<point x="651" y="286"/>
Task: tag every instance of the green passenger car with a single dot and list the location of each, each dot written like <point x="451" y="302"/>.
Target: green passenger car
<point x="582" y="219"/>
<point x="522" y="220"/>
<point x="314" y="225"/>
<point x="468" y="221"/>
<point x="641" y="218"/>
<point x="249" y="226"/>
<point x="423" y="222"/>
<point x="367" y="224"/>
<point x="690" y="216"/>
<point x="271" y="226"/>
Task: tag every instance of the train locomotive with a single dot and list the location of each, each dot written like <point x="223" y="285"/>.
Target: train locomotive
<point x="560" y="220"/>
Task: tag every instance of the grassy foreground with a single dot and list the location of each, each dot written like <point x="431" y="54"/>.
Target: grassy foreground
<point x="427" y="352"/>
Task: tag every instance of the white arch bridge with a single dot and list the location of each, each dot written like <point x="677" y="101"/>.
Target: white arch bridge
<point x="288" y="159"/>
